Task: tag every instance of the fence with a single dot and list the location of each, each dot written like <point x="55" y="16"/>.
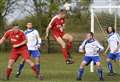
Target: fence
<point x="50" y="46"/>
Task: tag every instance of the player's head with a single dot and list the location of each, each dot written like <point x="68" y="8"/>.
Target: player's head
<point x="89" y="35"/>
<point x="29" y="25"/>
<point x="62" y="13"/>
<point x="15" y="28"/>
<point x="110" y="29"/>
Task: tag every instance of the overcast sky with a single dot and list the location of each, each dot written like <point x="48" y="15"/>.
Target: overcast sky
<point x="18" y="15"/>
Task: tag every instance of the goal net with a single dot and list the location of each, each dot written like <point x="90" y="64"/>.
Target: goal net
<point x="101" y="18"/>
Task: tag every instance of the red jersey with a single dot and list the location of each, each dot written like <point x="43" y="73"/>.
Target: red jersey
<point x="57" y="24"/>
<point x="15" y="37"/>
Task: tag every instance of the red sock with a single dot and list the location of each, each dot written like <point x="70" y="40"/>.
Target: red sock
<point x="69" y="45"/>
<point x="64" y="51"/>
<point x="35" y="70"/>
<point x="8" y="72"/>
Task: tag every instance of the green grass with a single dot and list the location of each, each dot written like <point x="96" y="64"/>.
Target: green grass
<point x="55" y="70"/>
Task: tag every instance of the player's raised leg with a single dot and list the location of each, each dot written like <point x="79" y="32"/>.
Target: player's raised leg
<point x="63" y="47"/>
<point x="69" y="40"/>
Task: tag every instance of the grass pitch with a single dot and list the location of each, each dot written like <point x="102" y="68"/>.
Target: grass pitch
<point x="55" y="70"/>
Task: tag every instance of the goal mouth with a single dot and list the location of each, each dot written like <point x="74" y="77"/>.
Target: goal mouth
<point x="101" y="18"/>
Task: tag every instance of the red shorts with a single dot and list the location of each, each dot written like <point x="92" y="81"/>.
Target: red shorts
<point x="57" y="34"/>
<point x="21" y="51"/>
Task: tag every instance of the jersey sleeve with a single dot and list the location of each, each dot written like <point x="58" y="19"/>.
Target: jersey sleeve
<point x="81" y="47"/>
<point x="38" y="37"/>
<point x="52" y="22"/>
<point x="118" y="37"/>
<point x="100" y="47"/>
<point x="6" y="34"/>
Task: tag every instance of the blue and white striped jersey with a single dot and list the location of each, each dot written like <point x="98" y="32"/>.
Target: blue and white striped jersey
<point x="113" y="40"/>
<point x="91" y="47"/>
<point x="33" y="39"/>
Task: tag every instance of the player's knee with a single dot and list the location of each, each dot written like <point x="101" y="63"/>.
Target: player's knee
<point x="82" y="65"/>
<point x="10" y="63"/>
<point x="63" y="44"/>
<point x="27" y="60"/>
<point x="108" y="60"/>
<point x="98" y="64"/>
<point x="37" y="60"/>
<point x="70" y="38"/>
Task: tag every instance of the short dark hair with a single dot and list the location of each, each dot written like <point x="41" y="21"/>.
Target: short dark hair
<point x="91" y="33"/>
<point x="113" y="30"/>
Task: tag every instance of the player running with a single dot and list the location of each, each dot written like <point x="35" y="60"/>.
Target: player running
<point x="92" y="49"/>
<point x="33" y="44"/>
<point x="114" y="46"/>
<point x="56" y="26"/>
<point x="18" y="42"/>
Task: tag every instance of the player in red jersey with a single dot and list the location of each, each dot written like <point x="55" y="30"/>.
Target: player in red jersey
<point x="56" y="26"/>
<point x="19" y="48"/>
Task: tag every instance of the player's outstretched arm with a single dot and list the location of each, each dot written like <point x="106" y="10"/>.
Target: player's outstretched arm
<point x="47" y="31"/>
<point x="38" y="39"/>
<point x="100" y="47"/>
<point x="81" y="47"/>
<point x="22" y="43"/>
<point x="2" y="40"/>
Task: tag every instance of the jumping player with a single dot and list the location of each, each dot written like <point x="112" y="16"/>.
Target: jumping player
<point x="92" y="49"/>
<point x="114" y="46"/>
<point x="33" y="44"/>
<point x="18" y="42"/>
<point x="56" y="26"/>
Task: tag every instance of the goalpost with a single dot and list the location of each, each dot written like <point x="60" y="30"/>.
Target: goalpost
<point x="93" y="20"/>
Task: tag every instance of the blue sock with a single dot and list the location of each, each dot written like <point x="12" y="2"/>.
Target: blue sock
<point x="110" y="67"/>
<point x="100" y="73"/>
<point x="80" y="73"/>
<point x="38" y="67"/>
<point x="20" y="67"/>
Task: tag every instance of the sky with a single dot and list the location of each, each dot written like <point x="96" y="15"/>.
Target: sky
<point x="18" y="15"/>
